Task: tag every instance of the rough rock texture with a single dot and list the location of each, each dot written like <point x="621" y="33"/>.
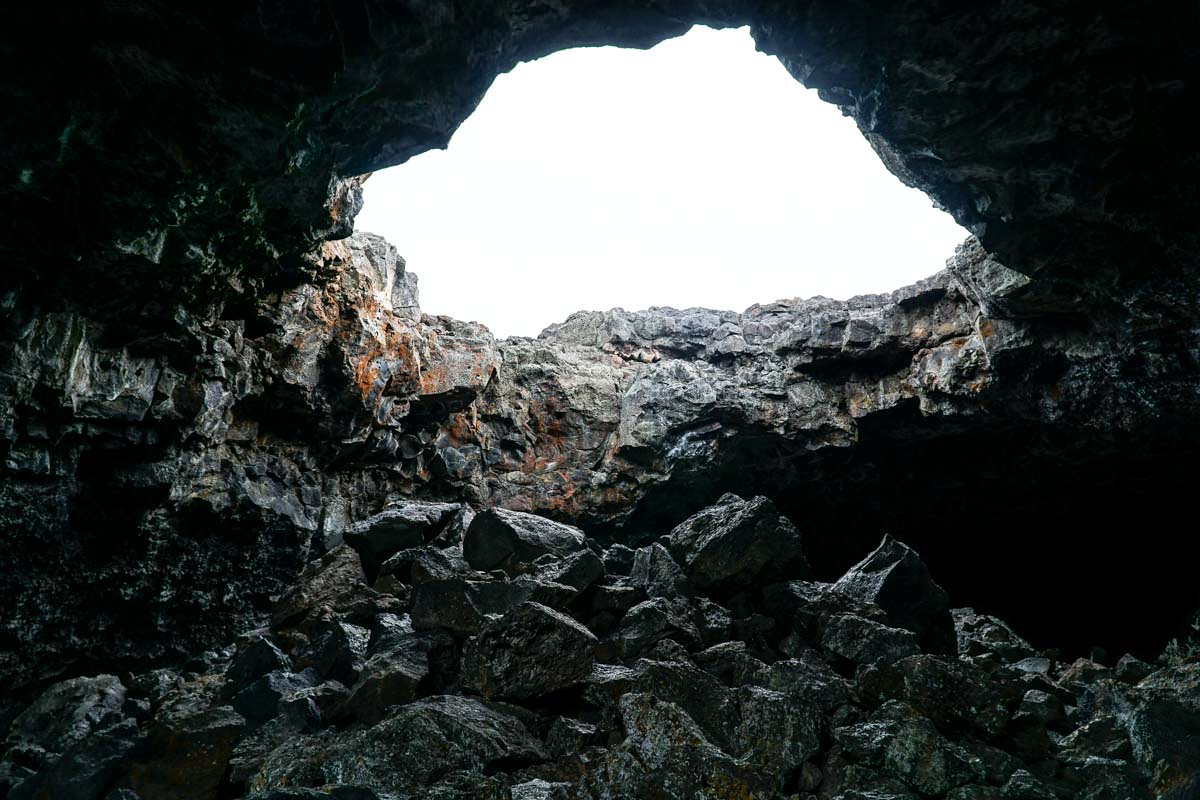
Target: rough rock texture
<point x="238" y="464"/>
<point x="803" y="691"/>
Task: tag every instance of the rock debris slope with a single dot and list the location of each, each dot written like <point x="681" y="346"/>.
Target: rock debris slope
<point x="577" y="672"/>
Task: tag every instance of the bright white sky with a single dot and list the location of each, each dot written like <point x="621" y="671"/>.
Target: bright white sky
<point x="696" y="173"/>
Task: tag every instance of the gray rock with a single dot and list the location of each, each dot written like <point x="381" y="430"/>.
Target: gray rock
<point x="397" y="527"/>
<point x="419" y="745"/>
<point x="894" y="578"/>
<point x="498" y="537"/>
<point x="736" y="543"/>
<point x="865" y="641"/>
<point x="529" y="652"/>
<point x="391" y="676"/>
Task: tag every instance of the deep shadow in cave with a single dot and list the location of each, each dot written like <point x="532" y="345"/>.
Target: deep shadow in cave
<point x="1074" y="558"/>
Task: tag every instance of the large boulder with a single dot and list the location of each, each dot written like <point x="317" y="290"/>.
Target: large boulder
<point x="398" y="527"/>
<point x="418" y="746"/>
<point x="895" y="578"/>
<point x="499" y="538"/>
<point x="736" y="543"/>
<point x="529" y="652"/>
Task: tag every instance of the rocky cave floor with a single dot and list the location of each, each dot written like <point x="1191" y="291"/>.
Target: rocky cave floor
<point x="443" y="653"/>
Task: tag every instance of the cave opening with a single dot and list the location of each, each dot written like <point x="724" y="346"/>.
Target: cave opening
<point x="697" y="172"/>
<point x="539" y="208"/>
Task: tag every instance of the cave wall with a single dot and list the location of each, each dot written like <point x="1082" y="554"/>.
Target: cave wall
<point x="201" y="386"/>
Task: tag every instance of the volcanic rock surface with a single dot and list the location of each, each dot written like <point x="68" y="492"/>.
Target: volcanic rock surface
<point x="785" y="687"/>
<point x="270" y="530"/>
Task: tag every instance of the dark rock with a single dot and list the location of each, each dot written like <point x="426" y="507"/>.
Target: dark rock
<point x="68" y="713"/>
<point x="865" y="641"/>
<point x="336" y="580"/>
<point x="187" y="750"/>
<point x="954" y="694"/>
<point x="256" y="656"/>
<point x="391" y="676"/>
<point x="335" y="649"/>
<point x="418" y="746"/>
<point x="530" y="651"/>
<point x="569" y="736"/>
<point x="618" y="560"/>
<point x="737" y="543"/>
<point x="261" y="701"/>
<point x="397" y="527"/>
<point x="894" y="578"/>
<point x="498" y="537"/>
<point x="649" y="622"/>
<point x="979" y="634"/>
<point x="578" y="570"/>
<point x="458" y="604"/>
<point x="657" y="574"/>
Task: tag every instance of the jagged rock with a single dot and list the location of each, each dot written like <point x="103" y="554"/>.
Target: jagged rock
<point x="657" y="574"/>
<point x="530" y="651"/>
<point x="979" y="634"/>
<point x="569" y="736"/>
<point x="894" y="578"/>
<point x="909" y="748"/>
<point x="391" y="676"/>
<point x="1164" y="729"/>
<point x="736" y="543"/>
<point x="256" y="656"/>
<point x="953" y="694"/>
<point x="418" y="746"/>
<point x="499" y="538"/>
<point x="67" y="713"/>
<point x="262" y="700"/>
<point x="187" y="749"/>
<point x="649" y="622"/>
<point x="335" y="649"/>
<point x="458" y="604"/>
<point x="578" y="570"/>
<point x="335" y="580"/>
<point x="865" y="641"/>
<point x="397" y="528"/>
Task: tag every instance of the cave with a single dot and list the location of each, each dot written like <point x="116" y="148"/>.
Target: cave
<point x="265" y="522"/>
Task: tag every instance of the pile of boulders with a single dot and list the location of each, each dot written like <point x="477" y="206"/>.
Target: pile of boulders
<point x="444" y="653"/>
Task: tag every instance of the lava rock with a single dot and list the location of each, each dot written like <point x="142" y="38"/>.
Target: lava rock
<point x="657" y="574"/>
<point x="865" y="641"/>
<point x="417" y="747"/>
<point x="736" y="543"/>
<point x="895" y="578"/>
<point x="391" y="676"/>
<point x="255" y="656"/>
<point x="397" y="527"/>
<point x="335" y="580"/>
<point x="498" y="537"/>
<point x="529" y="652"/>
<point x="458" y="604"/>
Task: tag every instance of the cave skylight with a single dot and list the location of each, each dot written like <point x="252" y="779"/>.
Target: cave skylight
<point x="696" y="173"/>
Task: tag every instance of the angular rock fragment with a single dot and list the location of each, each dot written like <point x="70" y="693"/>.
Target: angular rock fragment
<point x="865" y="641"/>
<point x="336" y="580"/>
<point x="529" y="652"/>
<point x="501" y="538"/>
<point x="419" y="746"/>
<point x="398" y="527"/>
<point x="895" y="578"/>
<point x="458" y="604"/>
<point x="736" y="543"/>
<point x="391" y="676"/>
